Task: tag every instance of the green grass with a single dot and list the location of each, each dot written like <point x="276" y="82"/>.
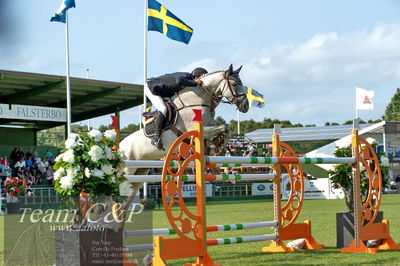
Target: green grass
<point x="320" y="212"/>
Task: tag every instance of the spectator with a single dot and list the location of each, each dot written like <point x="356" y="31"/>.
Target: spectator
<point x="42" y="165"/>
<point x="19" y="173"/>
<point x="49" y="154"/>
<point x="227" y="153"/>
<point x="29" y="153"/>
<point x="3" y="169"/>
<point x="6" y="162"/>
<point x="29" y="174"/>
<point x="28" y="162"/>
<point x="13" y="157"/>
<point x="9" y="171"/>
<point x="232" y="149"/>
<point x="238" y="143"/>
<point x="20" y="163"/>
<point x="35" y="155"/>
<point x="250" y="149"/>
<point x="50" y="175"/>
<point x="397" y="180"/>
<point x="20" y="154"/>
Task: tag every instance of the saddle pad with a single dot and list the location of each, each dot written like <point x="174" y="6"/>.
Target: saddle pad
<point x="150" y="129"/>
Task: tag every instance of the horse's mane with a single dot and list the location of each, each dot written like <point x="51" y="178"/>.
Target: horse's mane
<point x="208" y="74"/>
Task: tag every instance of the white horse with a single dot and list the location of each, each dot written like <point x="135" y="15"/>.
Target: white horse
<point x="215" y="86"/>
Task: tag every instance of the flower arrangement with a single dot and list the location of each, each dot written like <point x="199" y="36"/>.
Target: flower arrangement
<point x="15" y="187"/>
<point x="89" y="164"/>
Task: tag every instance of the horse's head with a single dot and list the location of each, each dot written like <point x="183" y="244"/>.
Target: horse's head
<point x="227" y="84"/>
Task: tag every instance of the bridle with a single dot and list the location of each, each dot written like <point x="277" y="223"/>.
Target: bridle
<point x="235" y="96"/>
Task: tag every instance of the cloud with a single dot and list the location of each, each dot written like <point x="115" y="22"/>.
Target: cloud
<point x="313" y="82"/>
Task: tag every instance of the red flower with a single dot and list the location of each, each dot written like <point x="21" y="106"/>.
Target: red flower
<point x="13" y="193"/>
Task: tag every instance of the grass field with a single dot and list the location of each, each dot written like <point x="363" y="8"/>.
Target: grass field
<point x="320" y="212"/>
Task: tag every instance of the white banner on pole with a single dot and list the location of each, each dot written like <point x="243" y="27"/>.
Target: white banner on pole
<point x="364" y="99"/>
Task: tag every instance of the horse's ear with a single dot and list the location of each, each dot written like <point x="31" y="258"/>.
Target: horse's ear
<point x="229" y="72"/>
<point x="236" y="72"/>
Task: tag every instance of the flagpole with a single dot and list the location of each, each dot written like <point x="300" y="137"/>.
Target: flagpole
<point x="356" y="104"/>
<point x="238" y="122"/>
<point x="67" y="77"/>
<point x="146" y="4"/>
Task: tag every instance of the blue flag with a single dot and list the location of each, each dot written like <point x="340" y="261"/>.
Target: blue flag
<point x="255" y="98"/>
<point x="162" y="20"/>
<point x="60" y="14"/>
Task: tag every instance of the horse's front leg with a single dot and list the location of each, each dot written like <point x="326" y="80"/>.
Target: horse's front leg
<point x="215" y="135"/>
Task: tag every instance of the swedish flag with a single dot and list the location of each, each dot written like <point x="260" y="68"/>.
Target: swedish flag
<point x="162" y="20"/>
<point x="255" y="98"/>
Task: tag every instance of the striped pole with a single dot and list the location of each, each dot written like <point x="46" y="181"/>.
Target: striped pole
<point x="160" y="164"/>
<point x="210" y="228"/>
<point x="238" y="240"/>
<point x="191" y="178"/>
<point x="212" y="242"/>
<point x="279" y="160"/>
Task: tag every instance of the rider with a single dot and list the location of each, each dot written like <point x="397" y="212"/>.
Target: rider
<point x="166" y="86"/>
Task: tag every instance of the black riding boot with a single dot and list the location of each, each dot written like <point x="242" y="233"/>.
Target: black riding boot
<point x="159" y="123"/>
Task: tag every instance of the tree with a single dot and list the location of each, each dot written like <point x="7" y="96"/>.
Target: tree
<point x="78" y="129"/>
<point x="220" y="121"/>
<point x="332" y="123"/>
<point x="103" y="128"/>
<point x="350" y="122"/>
<point x="392" y="112"/>
<point x="341" y="176"/>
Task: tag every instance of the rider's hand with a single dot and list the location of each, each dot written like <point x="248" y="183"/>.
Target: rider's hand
<point x="198" y="81"/>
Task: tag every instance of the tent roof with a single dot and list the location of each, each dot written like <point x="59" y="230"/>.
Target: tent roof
<point x="303" y="133"/>
<point x="89" y="98"/>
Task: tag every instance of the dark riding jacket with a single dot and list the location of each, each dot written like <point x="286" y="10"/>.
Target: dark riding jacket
<point x="168" y="84"/>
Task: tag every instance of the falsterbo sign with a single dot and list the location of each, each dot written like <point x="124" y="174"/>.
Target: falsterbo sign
<point x="37" y="113"/>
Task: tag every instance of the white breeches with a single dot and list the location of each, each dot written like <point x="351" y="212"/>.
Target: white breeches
<point x="157" y="101"/>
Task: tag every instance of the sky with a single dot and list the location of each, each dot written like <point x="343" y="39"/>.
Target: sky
<point x="305" y="56"/>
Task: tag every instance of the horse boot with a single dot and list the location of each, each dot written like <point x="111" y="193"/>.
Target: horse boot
<point x="159" y="124"/>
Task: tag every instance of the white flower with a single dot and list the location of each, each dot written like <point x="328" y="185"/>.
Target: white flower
<point x="107" y="169"/>
<point x="59" y="157"/>
<point x="125" y="189"/>
<point x="96" y="134"/>
<point x="71" y="141"/>
<point x="121" y="172"/>
<point x="60" y="172"/>
<point x="88" y="173"/>
<point x="69" y="156"/>
<point x="113" y="178"/>
<point x="111" y="134"/>
<point x="109" y="153"/>
<point x="66" y="182"/>
<point x="98" y="173"/>
<point x="96" y="153"/>
<point x="72" y="172"/>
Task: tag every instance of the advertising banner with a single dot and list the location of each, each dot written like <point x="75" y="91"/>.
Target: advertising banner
<point x="37" y="113"/>
<point x="313" y="189"/>
<point x="258" y="189"/>
<point x="189" y="190"/>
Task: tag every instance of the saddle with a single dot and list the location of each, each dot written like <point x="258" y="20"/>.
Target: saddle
<point x="170" y="120"/>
